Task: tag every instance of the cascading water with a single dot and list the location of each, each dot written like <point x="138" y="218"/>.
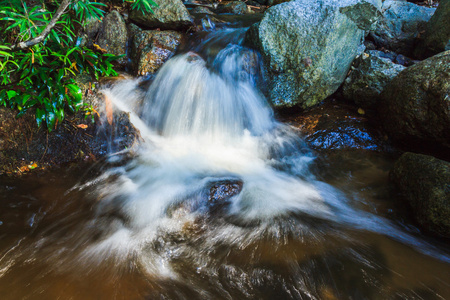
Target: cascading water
<point x="218" y="201"/>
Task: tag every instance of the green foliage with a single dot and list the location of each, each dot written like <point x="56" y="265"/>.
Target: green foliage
<point x="43" y="75"/>
<point x="142" y="5"/>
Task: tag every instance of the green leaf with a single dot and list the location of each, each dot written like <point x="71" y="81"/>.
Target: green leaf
<point x="11" y="94"/>
<point x="40" y="116"/>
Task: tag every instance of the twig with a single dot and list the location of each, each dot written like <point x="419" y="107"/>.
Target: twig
<point x="27" y="44"/>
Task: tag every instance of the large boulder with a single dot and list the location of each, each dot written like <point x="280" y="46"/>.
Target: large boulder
<point x="152" y="48"/>
<point x="425" y="183"/>
<point x="415" y="105"/>
<point x="113" y="35"/>
<point x="170" y="14"/>
<point x="400" y="25"/>
<point x="368" y="77"/>
<point x="308" y="46"/>
<point x="436" y="38"/>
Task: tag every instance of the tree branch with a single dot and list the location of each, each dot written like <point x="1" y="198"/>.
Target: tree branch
<point x="27" y="44"/>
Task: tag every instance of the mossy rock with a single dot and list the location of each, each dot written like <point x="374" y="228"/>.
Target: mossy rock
<point x="425" y="183"/>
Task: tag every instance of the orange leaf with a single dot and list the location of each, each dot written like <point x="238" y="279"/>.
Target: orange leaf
<point x="109" y="110"/>
<point x="82" y="126"/>
<point x="97" y="47"/>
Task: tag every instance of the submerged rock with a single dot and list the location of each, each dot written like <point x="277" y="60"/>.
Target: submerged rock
<point x="415" y="105"/>
<point x="308" y="47"/>
<point x="332" y="126"/>
<point x="152" y="48"/>
<point x="425" y="183"/>
<point x="113" y="35"/>
<point x="367" y="79"/>
<point x="436" y="37"/>
<point x="170" y="14"/>
<point x="400" y="24"/>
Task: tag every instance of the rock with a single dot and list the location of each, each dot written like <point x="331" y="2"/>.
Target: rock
<point x="170" y="14"/>
<point x="201" y="10"/>
<point x="221" y="192"/>
<point x="403" y="60"/>
<point x="383" y="54"/>
<point x="308" y="47"/>
<point x="113" y="35"/>
<point x="91" y="27"/>
<point x="233" y="7"/>
<point x="332" y="126"/>
<point x="152" y="48"/>
<point x="436" y="37"/>
<point x="425" y="183"/>
<point x="399" y="26"/>
<point x="367" y="79"/>
<point x="133" y="30"/>
<point x="213" y="198"/>
<point x="415" y="105"/>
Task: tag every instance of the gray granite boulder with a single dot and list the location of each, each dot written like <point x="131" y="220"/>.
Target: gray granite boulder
<point x="308" y="46"/>
<point x="415" y="105"/>
<point x="436" y="37"/>
<point x="400" y="24"/>
<point x="368" y="77"/>
<point x="113" y="35"/>
<point x="170" y="14"/>
<point x="425" y="183"/>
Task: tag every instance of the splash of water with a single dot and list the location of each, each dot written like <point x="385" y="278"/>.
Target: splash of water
<point x="205" y="122"/>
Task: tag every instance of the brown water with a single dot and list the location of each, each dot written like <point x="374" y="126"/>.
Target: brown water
<point x="45" y="230"/>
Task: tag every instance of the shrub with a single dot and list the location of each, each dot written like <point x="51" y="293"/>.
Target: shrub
<point x="40" y="55"/>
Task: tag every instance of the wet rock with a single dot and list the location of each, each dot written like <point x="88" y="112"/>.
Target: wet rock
<point x="221" y="192"/>
<point x="170" y="14"/>
<point x="332" y="126"/>
<point x="113" y="35"/>
<point x="308" y="47"/>
<point x="436" y="37"/>
<point x="233" y="7"/>
<point x="368" y="77"/>
<point x="415" y="105"/>
<point x="213" y="199"/>
<point x="152" y="48"/>
<point x="201" y="10"/>
<point x="425" y="183"/>
<point x="400" y="24"/>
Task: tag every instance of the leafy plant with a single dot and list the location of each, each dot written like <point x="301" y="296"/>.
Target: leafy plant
<point x="142" y="5"/>
<point x="39" y="56"/>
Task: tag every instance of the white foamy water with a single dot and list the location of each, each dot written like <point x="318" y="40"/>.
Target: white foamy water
<point x="203" y="123"/>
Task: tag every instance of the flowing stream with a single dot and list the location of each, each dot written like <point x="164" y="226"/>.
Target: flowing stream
<point x="218" y="201"/>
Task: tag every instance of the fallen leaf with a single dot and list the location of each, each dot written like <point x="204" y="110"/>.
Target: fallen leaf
<point x="82" y="126"/>
<point x="97" y="47"/>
